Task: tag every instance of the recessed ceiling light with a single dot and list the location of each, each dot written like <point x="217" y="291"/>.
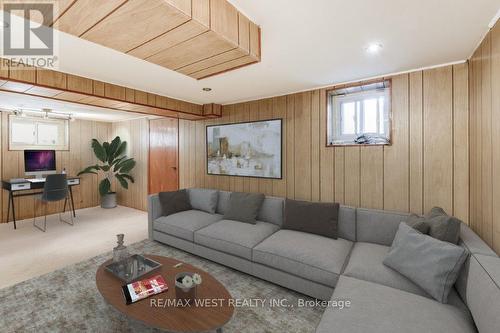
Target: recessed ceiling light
<point x="374" y="48"/>
<point x="207" y="89"/>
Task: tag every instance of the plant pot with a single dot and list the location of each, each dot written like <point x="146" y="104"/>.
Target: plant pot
<point x="108" y="200"/>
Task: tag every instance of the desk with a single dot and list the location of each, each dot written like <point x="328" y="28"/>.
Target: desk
<point x="15" y="189"/>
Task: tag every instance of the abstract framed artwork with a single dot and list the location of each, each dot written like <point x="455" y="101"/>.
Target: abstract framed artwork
<point x="250" y="149"/>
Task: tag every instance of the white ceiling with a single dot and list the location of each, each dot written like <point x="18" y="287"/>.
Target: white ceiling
<point x="307" y="44"/>
<point x="10" y="101"/>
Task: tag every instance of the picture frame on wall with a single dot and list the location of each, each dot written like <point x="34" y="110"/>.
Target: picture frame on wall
<point x="247" y="149"/>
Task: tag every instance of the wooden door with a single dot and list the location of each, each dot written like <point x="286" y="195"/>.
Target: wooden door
<point x="163" y="155"/>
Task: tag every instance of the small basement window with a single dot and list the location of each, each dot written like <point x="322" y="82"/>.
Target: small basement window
<point x="360" y="115"/>
<point x="38" y="133"/>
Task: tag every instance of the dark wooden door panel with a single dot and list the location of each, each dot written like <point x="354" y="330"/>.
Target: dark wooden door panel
<point x="163" y="155"/>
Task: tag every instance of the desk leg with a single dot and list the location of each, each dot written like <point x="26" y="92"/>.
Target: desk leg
<point x="72" y="201"/>
<point x="11" y="199"/>
<point x="8" y="209"/>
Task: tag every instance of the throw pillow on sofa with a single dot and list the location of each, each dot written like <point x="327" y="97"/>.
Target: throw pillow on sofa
<point x="320" y="218"/>
<point x="432" y="264"/>
<point x="436" y="223"/>
<point x="203" y="199"/>
<point x="244" y="207"/>
<point x="418" y="223"/>
<point x="443" y="226"/>
<point x="174" y="202"/>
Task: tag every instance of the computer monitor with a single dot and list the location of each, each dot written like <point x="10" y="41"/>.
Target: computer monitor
<point x="39" y="162"/>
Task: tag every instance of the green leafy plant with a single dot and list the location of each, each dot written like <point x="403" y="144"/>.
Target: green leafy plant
<point x="115" y="164"/>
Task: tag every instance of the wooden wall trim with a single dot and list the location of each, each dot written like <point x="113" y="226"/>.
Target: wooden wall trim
<point x="56" y="85"/>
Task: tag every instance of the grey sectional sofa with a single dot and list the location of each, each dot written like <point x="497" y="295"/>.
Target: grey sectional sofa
<point x="350" y="267"/>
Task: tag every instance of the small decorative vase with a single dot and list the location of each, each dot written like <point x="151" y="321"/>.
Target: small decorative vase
<point x="120" y="252"/>
<point x="181" y="292"/>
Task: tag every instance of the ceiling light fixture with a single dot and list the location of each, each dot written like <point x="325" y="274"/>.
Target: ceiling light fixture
<point x="207" y="89"/>
<point x="374" y="48"/>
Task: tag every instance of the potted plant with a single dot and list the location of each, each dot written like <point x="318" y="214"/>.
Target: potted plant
<point x="115" y="165"/>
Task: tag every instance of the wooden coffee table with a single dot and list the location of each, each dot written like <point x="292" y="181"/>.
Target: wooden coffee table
<point x="170" y="318"/>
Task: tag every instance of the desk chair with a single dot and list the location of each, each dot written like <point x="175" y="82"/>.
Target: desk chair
<point x="55" y="189"/>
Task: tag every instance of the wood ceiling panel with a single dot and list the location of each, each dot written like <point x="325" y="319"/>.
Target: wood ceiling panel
<point x="182" y="5"/>
<point x="201" y="47"/>
<point x="244" y="32"/>
<point x="42" y="91"/>
<point x="187" y="36"/>
<point x="201" y="11"/>
<point x="142" y="20"/>
<point x="224" y="67"/>
<point x="169" y="39"/>
<point x="60" y="6"/>
<point x="50" y="78"/>
<point x="213" y="61"/>
<point x="79" y="84"/>
<point x="70" y="96"/>
<point x="16" y="86"/>
<point x="224" y="19"/>
<point x="255" y="47"/>
<point x="84" y="14"/>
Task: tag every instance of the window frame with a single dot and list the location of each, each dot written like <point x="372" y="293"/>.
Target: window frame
<point x="330" y="124"/>
<point x="64" y="123"/>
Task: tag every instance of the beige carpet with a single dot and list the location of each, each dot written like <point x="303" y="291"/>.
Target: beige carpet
<point x="27" y="252"/>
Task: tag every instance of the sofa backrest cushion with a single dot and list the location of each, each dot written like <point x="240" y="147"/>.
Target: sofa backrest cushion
<point x="223" y="202"/>
<point x="483" y="291"/>
<point x="347" y="223"/>
<point x="203" y="199"/>
<point x="377" y="226"/>
<point x="272" y="210"/>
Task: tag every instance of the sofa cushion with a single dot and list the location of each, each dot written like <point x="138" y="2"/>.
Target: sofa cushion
<point x="377" y="226"/>
<point x="244" y="207"/>
<point x="174" y="202"/>
<point x="317" y="258"/>
<point x="272" y="210"/>
<point x="203" y="199"/>
<point x="347" y="223"/>
<point x="432" y="264"/>
<point x="234" y="237"/>
<point x="223" y="202"/>
<point x="320" y="218"/>
<point x="380" y="309"/>
<point x="184" y="224"/>
<point x="365" y="263"/>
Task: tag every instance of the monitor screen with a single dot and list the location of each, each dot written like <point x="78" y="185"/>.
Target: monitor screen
<point x="39" y="160"/>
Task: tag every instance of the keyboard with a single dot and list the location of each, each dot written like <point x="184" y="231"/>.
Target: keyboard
<point x="36" y="180"/>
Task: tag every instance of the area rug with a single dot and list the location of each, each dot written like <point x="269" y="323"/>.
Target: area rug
<point x="67" y="300"/>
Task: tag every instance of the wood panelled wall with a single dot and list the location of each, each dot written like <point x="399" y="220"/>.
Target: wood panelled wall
<point x="484" y="72"/>
<point x="426" y="165"/>
<point x="75" y="159"/>
<point x="136" y="133"/>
